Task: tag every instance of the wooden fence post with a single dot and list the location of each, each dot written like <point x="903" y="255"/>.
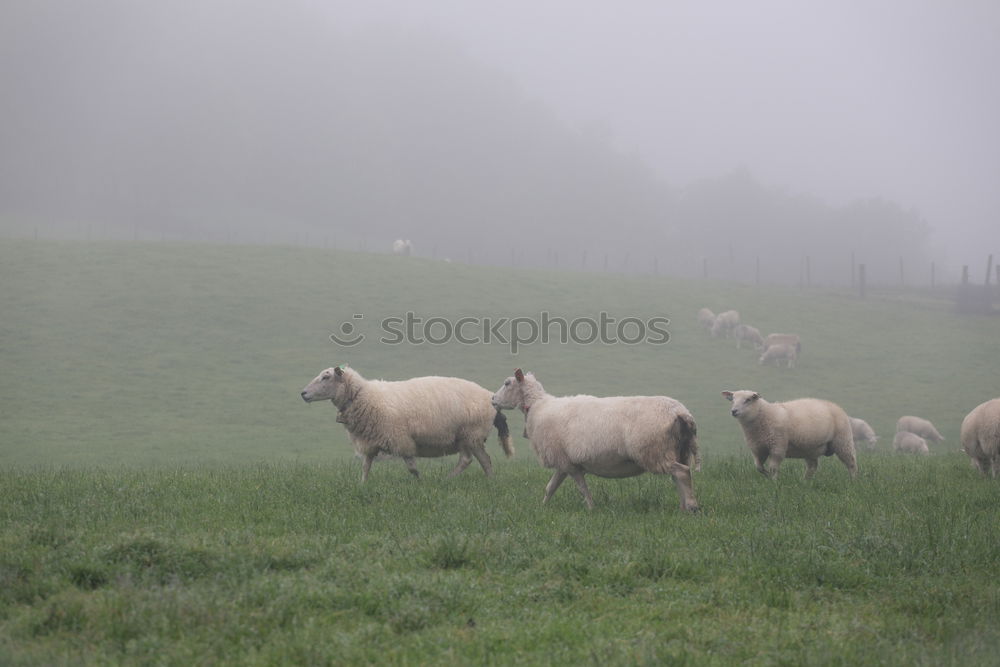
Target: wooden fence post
<point x="861" y="280"/>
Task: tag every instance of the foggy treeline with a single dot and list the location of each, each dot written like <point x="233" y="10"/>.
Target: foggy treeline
<point x="195" y="120"/>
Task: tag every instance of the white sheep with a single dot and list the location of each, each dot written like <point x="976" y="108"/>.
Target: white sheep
<point x="402" y="247"/>
<point x="863" y="432"/>
<point x="745" y="332"/>
<point x="981" y="437"/>
<point x="620" y="436"/>
<point x="778" y="353"/>
<point x="425" y="417"/>
<point x="921" y="427"/>
<point x="706" y="318"/>
<point x="806" y="428"/>
<point x="724" y="323"/>
<point x="909" y="443"/>
<point x="783" y="339"/>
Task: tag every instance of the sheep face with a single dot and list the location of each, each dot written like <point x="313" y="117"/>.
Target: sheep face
<point x="746" y="404"/>
<point x="326" y="386"/>
<point x="511" y="394"/>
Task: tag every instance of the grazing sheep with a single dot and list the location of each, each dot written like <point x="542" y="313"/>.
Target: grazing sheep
<point x="778" y="353"/>
<point x="909" y="443"/>
<point x="425" y="417"/>
<point x="981" y="437"/>
<point x="862" y="431"/>
<point x="706" y="318"/>
<point x="745" y="332"/>
<point x="725" y="323"/>
<point x="619" y="436"/>
<point x="783" y="339"/>
<point x="401" y="247"/>
<point x="806" y="428"/>
<point x="921" y="427"/>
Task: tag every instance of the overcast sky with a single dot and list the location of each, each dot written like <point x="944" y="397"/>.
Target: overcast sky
<point x="842" y="100"/>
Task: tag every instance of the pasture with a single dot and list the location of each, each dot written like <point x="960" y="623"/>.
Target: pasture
<point x="166" y="496"/>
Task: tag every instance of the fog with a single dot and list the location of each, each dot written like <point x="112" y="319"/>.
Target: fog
<point x="678" y="137"/>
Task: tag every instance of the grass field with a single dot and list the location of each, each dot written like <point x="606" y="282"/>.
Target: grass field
<point x="167" y="497"/>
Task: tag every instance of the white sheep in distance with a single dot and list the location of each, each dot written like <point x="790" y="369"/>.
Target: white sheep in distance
<point x="778" y="353"/>
<point x="620" y="436"/>
<point x="724" y="323"/>
<point x="421" y="417"/>
<point x="981" y="437"/>
<point x="863" y="432"/>
<point x="783" y="339"/>
<point x="706" y="318"/>
<point x="921" y="427"/>
<point x="909" y="443"/>
<point x="745" y="332"/>
<point x="806" y="428"/>
<point x="402" y="247"/>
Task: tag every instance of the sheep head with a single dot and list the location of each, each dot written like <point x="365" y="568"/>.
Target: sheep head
<point x="330" y="385"/>
<point x="745" y="403"/>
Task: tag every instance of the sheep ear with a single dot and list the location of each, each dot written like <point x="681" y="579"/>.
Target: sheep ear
<point x="338" y="371"/>
<point x="755" y="396"/>
<point x="519" y="375"/>
<point x="728" y="395"/>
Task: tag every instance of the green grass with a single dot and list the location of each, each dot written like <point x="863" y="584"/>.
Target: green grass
<point x="166" y="496"/>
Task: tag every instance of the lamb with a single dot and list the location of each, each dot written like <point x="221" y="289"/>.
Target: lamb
<point x="425" y="417"/>
<point x="980" y="435"/>
<point x="745" y="332"/>
<point x="620" y="436"/>
<point x="909" y="443"/>
<point x="725" y="323"/>
<point x="862" y="431"/>
<point x="921" y="427"/>
<point x="806" y="428"/>
<point x="786" y="339"/>
<point x="706" y="318"/>
<point x="778" y="353"/>
<point x="402" y="247"/>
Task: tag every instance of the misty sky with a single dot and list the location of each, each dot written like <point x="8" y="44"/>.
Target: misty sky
<point x="844" y="100"/>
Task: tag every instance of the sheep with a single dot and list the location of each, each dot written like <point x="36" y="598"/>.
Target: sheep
<point x="725" y="323"/>
<point x="806" y="428"/>
<point x="862" y="431"/>
<point x="980" y="435"/>
<point x="620" y="436"/>
<point x="745" y="332"/>
<point x="402" y="247"/>
<point x="780" y="338"/>
<point x="706" y="318"/>
<point x="778" y="353"/>
<point x="909" y="443"/>
<point x="921" y="427"/>
<point x="424" y="416"/>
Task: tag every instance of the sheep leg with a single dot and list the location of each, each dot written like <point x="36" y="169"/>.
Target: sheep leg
<point x="581" y="484"/>
<point x="557" y="478"/>
<point x="774" y="463"/>
<point x="463" y="462"/>
<point x="811" y="467"/>
<point x="484" y="460"/>
<point x="685" y="489"/>
<point x="411" y="465"/>
<point x="845" y="452"/>
<point x="366" y="465"/>
<point x="759" y="462"/>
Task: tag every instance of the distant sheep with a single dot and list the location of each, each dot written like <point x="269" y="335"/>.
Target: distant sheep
<point x="909" y="443"/>
<point x="806" y="428"/>
<point x="746" y="333"/>
<point x="921" y="427"/>
<point x="863" y="432"/>
<point x="402" y="247"/>
<point x="725" y="323"/>
<point x="425" y="417"/>
<point x="981" y="437"/>
<point x="778" y="353"/>
<point x="706" y="318"/>
<point x="783" y="339"/>
<point x="620" y="436"/>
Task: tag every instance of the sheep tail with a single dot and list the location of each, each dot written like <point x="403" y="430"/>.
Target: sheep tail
<point x="500" y="421"/>
<point x="685" y="433"/>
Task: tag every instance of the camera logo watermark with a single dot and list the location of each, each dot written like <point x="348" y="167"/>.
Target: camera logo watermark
<point x="515" y="332"/>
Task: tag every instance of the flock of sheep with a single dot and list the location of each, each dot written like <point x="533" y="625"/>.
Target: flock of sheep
<point x="776" y="347"/>
<point x="614" y="437"/>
